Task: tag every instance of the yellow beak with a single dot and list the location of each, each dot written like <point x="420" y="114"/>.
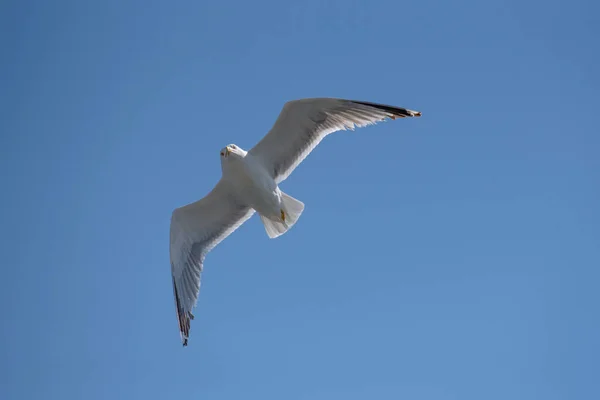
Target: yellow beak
<point x="227" y="151"/>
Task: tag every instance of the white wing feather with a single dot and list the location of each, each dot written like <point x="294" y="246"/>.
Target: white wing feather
<point x="195" y="230"/>
<point x="302" y="124"/>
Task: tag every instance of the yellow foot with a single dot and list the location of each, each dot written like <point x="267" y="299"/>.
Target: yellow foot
<point x="282" y="215"/>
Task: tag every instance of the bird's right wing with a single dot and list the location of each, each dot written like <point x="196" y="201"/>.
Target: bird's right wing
<point x="302" y="124"/>
<point x="195" y="230"/>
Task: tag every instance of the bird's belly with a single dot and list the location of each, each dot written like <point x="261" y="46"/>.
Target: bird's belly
<point x="264" y="202"/>
<point x="261" y="193"/>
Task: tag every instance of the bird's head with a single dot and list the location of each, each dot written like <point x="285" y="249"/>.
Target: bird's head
<point x="231" y="152"/>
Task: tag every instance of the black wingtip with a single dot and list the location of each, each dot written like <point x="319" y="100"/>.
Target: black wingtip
<point x="182" y="317"/>
<point x="397" y="112"/>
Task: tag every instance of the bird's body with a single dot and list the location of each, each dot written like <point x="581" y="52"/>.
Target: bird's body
<point x="249" y="180"/>
<point x="250" y="183"/>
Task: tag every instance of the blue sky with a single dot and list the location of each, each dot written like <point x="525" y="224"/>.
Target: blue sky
<point x="455" y="257"/>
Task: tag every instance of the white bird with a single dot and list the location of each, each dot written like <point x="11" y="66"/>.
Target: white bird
<point x="249" y="183"/>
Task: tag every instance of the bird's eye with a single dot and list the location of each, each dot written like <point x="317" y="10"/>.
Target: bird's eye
<point x="222" y="154"/>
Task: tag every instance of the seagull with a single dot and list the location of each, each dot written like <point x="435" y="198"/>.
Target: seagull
<point x="250" y="183"/>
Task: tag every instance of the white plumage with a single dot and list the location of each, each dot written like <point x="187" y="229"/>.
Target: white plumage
<point x="249" y="184"/>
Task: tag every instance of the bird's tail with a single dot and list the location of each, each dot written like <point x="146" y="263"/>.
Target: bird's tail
<point x="290" y="212"/>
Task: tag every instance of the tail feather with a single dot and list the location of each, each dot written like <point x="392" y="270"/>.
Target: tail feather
<point x="292" y="209"/>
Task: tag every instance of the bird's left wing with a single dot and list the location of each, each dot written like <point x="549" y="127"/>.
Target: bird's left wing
<point x="196" y="229"/>
<point x="302" y="124"/>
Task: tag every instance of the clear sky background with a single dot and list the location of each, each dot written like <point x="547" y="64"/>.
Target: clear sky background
<point x="455" y="256"/>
